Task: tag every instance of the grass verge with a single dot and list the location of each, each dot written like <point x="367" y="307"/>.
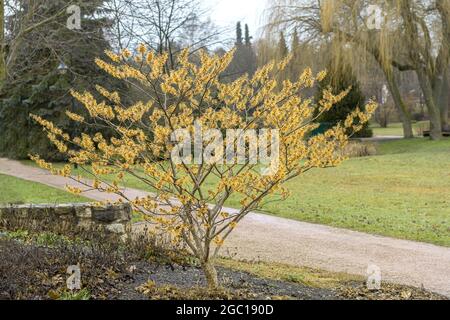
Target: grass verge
<point x="281" y="272"/>
<point x="18" y="191"/>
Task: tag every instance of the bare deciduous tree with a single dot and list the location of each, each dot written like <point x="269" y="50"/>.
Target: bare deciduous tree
<point x="162" y="25"/>
<point x="413" y="35"/>
<point x="20" y="26"/>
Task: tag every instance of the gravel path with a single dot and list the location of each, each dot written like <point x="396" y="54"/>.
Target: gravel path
<point x="273" y="239"/>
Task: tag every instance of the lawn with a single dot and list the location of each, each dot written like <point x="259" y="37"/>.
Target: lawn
<point x="402" y="192"/>
<point x="19" y="191"/>
<point x="396" y="129"/>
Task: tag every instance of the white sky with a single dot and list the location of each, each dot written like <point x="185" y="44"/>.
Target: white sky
<point x="226" y="13"/>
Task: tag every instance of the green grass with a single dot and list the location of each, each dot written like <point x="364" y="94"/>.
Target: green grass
<point x="396" y="129"/>
<point x="403" y="192"/>
<point x="280" y="272"/>
<point x="17" y="191"/>
<point x="82" y="294"/>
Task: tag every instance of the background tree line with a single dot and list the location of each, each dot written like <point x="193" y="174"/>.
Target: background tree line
<point x="405" y="36"/>
<point x="41" y="59"/>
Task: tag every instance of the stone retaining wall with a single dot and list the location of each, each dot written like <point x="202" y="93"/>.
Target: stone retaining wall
<point x="115" y="219"/>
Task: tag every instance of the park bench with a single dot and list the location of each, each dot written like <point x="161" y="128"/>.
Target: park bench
<point x="444" y="133"/>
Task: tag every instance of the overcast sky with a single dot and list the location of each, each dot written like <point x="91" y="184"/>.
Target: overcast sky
<point x="226" y="13"/>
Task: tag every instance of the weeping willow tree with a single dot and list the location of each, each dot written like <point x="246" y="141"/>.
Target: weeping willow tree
<point x="427" y="35"/>
<point x="400" y="35"/>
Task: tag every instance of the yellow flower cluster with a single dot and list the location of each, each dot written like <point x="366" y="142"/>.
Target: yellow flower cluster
<point x="75" y="117"/>
<point x="94" y="108"/>
<point x="111" y="96"/>
<point x="134" y="113"/>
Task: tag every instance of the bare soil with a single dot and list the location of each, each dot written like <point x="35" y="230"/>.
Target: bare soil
<point x="33" y="272"/>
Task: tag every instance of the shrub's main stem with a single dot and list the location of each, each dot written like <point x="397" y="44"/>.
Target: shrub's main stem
<point x="210" y="272"/>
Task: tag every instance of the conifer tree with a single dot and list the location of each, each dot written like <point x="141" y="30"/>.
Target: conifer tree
<point x="341" y="77"/>
<point x="281" y="53"/>
<point x="244" y="60"/>
<point x="283" y="49"/>
<point x="239" y="39"/>
<point x="248" y="38"/>
<point x="294" y="68"/>
<point x="295" y="43"/>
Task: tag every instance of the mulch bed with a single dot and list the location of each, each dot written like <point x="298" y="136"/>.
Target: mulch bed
<point x="37" y="273"/>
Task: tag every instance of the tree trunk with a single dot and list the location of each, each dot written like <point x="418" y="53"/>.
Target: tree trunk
<point x="2" y="44"/>
<point x="210" y="272"/>
<point x="435" y="116"/>
<point x="407" y="126"/>
<point x="433" y="108"/>
<point x="444" y="103"/>
<point x="403" y="111"/>
<point x="440" y="95"/>
<point x="435" y="120"/>
<point x="435" y="125"/>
